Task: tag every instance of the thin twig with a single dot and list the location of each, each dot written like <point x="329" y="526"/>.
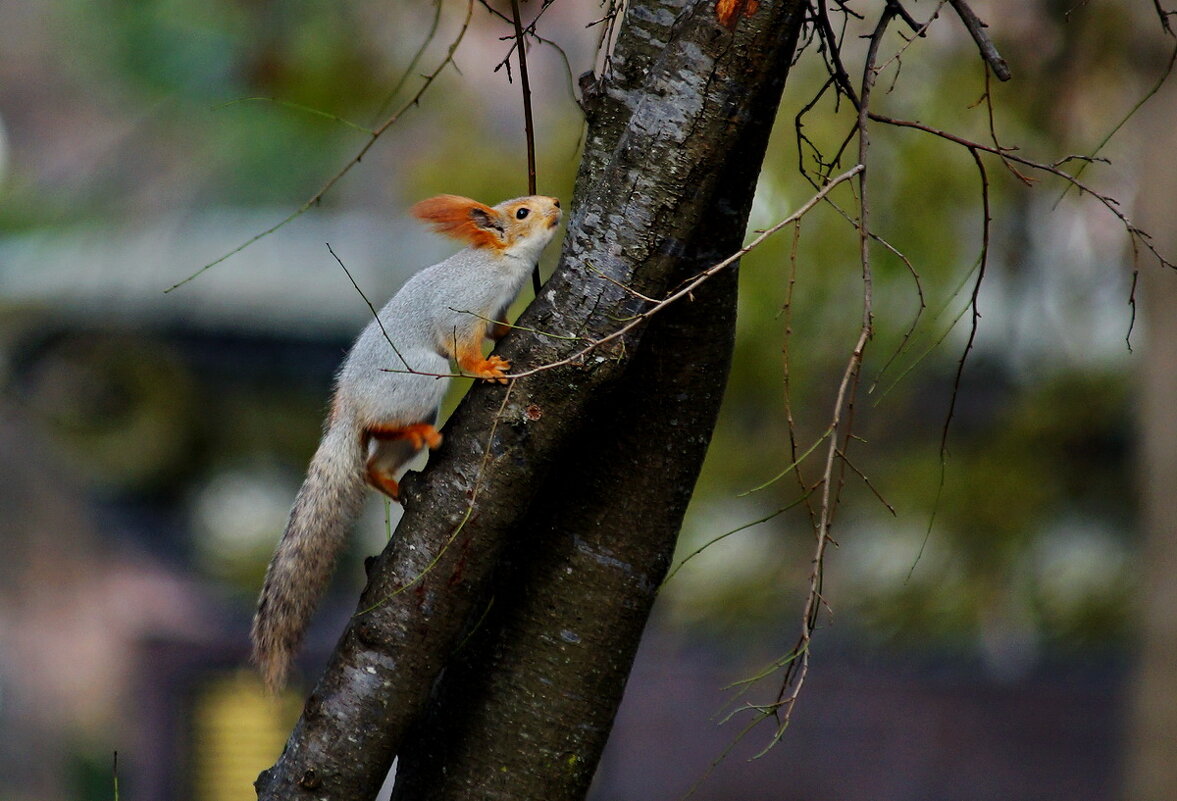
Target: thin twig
<point x="615" y="282"/>
<point x="920" y="31"/>
<point x="796" y="463"/>
<point x="901" y="12"/>
<point x="923" y="305"/>
<point x="1164" y="14"/>
<point x="530" y="31"/>
<point x="1108" y="202"/>
<point x="375" y="314"/>
<point x="866" y="480"/>
<point x="605" y="40"/>
<point x="832" y="51"/>
<point x="986" y="222"/>
<point x="297" y="107"/>
<point x="787" y="381"/>
<point x="798" y="668"/>
<point x="724" y="536"/>
<point x="939" y="340"/>
<point x="487" y="450"/>
<point x="512" y="326"/>
<point x="1156" y="87"/>
<point x="363" y="151"/>
<point x="991" y="115"/>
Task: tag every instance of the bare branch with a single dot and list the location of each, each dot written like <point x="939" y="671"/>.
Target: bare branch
<point x="869" y="484"/>
<point x="1156" y="87"/>
<point x="727" y="534"/>
<point x="375" y="314"/>
<point x="798" y="668"/>
<point x="1164" y="14"/>
<point x="297" y="107"/>
<point x="699" y="279"/>
<point x="529" y="30"/>
<point x="901" y="12"/>
<point x="1108" y="202"/>
<point x="787" y="388"/>
<point x="919" y="312"/>
<point x="986" y="222"/>
<point x="363" y="151"/>
<point x="976" y="29"/>
<point x="479" y="475"/>
<point x="528" y="123"/>
<point x="920" y="31"/>
<point x="412" y="67"/>
<point x="831" y="50"/>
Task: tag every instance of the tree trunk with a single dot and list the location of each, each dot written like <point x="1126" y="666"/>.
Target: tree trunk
<point x="676" y="136"/>
<point x="524" y="710"/>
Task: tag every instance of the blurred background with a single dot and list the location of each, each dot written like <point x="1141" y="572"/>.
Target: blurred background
<point x="997" y="623"/>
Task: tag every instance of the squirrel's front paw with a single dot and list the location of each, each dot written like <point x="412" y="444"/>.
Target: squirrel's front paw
<point x="493" y="369"/>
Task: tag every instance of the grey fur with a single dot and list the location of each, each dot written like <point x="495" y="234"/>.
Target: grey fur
<point x="416" y="332"/>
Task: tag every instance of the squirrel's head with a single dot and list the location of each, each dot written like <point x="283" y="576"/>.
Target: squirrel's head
<point x="520" y="227"/>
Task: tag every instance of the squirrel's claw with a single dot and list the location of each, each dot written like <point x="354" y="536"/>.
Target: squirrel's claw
<point x="493" y="369"/>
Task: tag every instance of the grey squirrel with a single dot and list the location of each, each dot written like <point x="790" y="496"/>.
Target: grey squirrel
<point x="380" y="418"/>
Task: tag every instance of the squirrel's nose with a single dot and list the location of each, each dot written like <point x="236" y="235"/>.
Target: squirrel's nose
<point x="556" y="202"/>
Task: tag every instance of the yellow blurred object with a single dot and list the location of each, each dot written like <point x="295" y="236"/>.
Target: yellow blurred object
<point x="237" y="732"/>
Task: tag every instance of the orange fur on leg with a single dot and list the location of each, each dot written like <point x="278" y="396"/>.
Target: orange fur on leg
<point x="418" y="434"/>
<point x="469" y="357"/>
<point x="381" y="464"/>
<point x="383" y="482"/>
<point x="498" y="329"/>
<point x="491" y="368"/>
<point x="379" y="470"/>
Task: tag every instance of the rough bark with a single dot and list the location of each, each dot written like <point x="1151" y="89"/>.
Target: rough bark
<point x="678" y="125"/>
<point x="525" y="709"/>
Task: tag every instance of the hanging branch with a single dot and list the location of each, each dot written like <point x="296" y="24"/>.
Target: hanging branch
<point x="798" y="665"/>
<point x="528" y="124"/>
<point x="986" y="223"/>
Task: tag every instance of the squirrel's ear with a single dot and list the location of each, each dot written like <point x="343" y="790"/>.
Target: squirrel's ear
<point x="462" y="218"/>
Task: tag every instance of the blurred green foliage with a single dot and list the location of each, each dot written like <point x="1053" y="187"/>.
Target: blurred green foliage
<point x="1031" y="451"/>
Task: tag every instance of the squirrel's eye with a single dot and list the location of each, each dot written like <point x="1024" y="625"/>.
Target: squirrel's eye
<point x="522" y="213"/>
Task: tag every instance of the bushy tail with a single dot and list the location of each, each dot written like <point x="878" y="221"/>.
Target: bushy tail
<point x="324" y="511"/>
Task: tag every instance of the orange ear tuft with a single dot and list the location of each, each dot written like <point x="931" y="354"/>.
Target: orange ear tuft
<point x="462" y="218"/>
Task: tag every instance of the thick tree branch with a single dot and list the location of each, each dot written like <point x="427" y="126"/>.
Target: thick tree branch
<point x="976" y="29"/>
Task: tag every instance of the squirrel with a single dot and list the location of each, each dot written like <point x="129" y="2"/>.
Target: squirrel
<point x="387" y="397"/>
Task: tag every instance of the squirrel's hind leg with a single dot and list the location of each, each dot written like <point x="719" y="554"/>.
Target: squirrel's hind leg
<point x="390" y="447"/>
<point x="382" y="481"/>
